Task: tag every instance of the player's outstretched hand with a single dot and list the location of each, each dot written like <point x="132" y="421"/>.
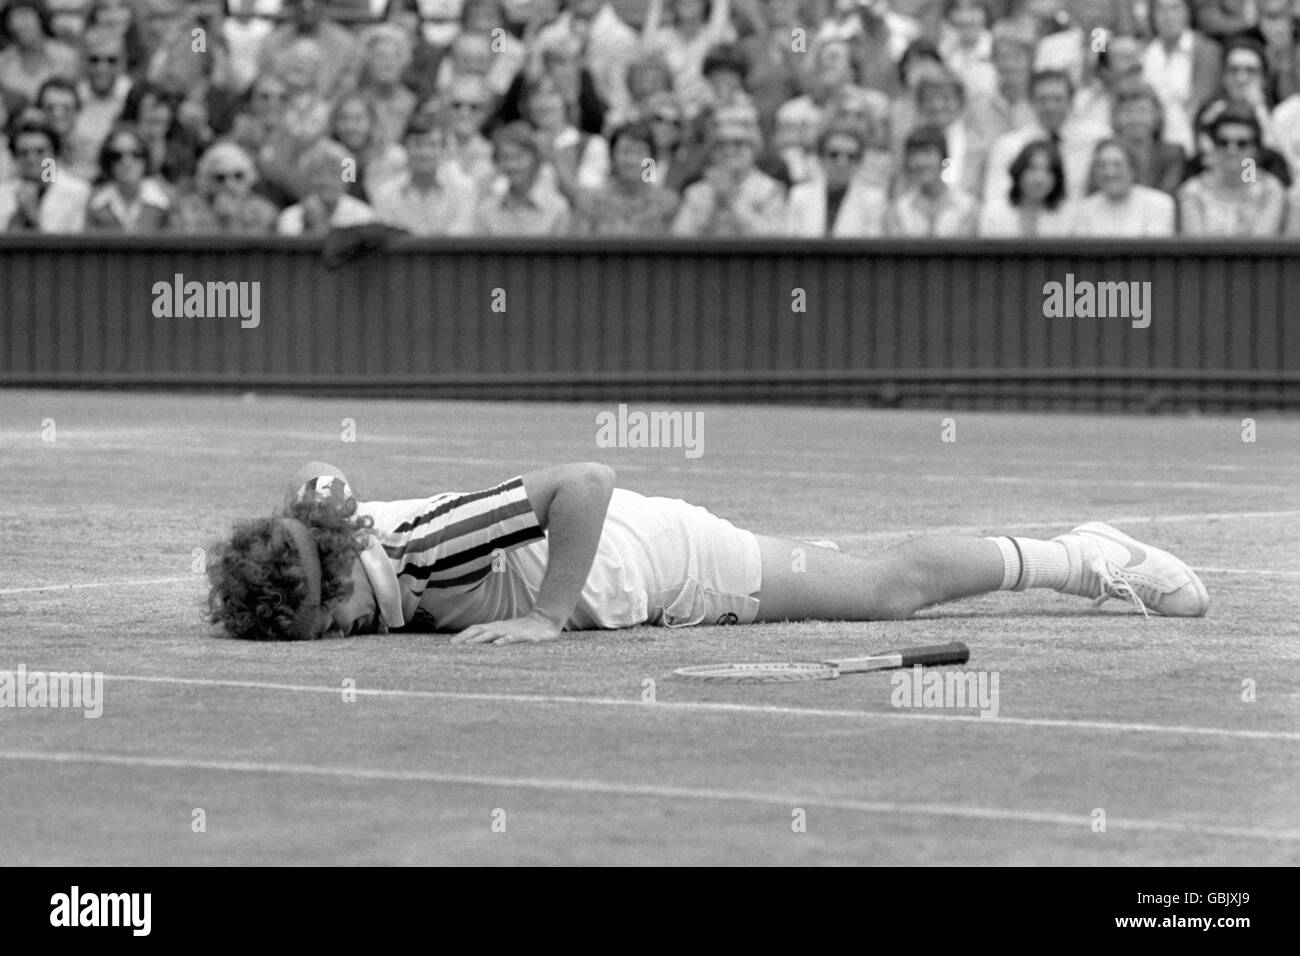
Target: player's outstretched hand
<point x="532" y="628"/>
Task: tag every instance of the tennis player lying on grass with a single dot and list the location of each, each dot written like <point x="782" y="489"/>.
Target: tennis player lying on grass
<point x="563" y="549"/>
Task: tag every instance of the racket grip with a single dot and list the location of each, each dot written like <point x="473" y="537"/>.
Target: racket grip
<point x="954" y="653"/>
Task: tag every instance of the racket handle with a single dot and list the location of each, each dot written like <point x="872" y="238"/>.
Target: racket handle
<point x="954" y="653"/>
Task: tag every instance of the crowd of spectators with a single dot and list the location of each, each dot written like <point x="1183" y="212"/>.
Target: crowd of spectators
<point x="914" y="118"/>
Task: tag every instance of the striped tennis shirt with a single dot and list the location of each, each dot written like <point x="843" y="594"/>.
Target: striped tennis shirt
<point x="459" y="559"/>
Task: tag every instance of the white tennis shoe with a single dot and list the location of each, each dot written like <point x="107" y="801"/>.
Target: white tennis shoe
<point x="1106" y="563"/>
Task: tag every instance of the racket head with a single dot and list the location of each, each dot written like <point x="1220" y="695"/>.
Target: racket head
<point x="763" y="672"/>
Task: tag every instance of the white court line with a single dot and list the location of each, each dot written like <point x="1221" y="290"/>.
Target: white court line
<point x="1094" y="482"/>
<point x="667" y="467"/>
<point x="724" y="708"/>
<point x="785" y="801"/>
<point x="138" y="582"/>
<point x="1284" y="574"/>
<point x="1066" y="522"/>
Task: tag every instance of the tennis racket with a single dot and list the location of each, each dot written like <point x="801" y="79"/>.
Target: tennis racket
<point x="787" y="672"/>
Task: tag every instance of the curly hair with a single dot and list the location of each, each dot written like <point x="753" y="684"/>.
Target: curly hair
<point x="257" y="581"/>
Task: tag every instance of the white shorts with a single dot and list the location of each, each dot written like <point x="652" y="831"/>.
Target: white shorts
<point x="661" y="561"/>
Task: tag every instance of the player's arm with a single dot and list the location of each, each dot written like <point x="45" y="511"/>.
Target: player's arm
<point x="570" y="502"/>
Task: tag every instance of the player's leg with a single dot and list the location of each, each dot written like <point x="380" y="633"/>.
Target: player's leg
<point x="803" y="581"/>
<point x="1094" y="561"/>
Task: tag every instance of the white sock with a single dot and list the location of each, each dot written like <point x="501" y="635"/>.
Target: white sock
<point x="1030" y="563"/>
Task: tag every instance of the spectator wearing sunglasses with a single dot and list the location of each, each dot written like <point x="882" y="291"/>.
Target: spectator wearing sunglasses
<point x="29" y="54"/>
<point x="1245" y="86"/>
<point x="39" y="198"/>
<point x="223" y="201"/>
<point x="104" y="88"/>
<point x="1234" y="196"/>
<point x="128" y="200"/>
<point x="1245" y="89"/>
<point x="1036" y="204"/>
<point x="838" y="202"/>
<point x="123" y="19"/>
<point x="675" y="159"/>
<point x="467" y="105"/>
<point x="868" y="110"/>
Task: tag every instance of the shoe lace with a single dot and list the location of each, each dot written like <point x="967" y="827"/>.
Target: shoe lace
<point x="1115" y="585"/>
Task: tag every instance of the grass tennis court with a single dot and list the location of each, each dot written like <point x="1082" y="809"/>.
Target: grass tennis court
<point x="1099" y="709"/>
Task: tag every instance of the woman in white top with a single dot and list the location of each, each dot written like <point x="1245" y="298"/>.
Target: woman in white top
<point x="1118" y="206"/>
<point x="1036" y="204"/>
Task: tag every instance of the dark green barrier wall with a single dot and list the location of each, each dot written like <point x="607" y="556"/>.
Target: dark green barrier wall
<point x="898" y="323"/>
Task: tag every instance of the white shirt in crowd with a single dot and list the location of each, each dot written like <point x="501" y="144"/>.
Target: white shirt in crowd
<point x="350" y="211"/>
<point x="445" y="210"/>
<point x="1143" y="213"/>
<point x="62" y="208"/>
<point x="1170" y="74"/>
<point x="998" y="219"/>
<point x="861" y="212"/>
